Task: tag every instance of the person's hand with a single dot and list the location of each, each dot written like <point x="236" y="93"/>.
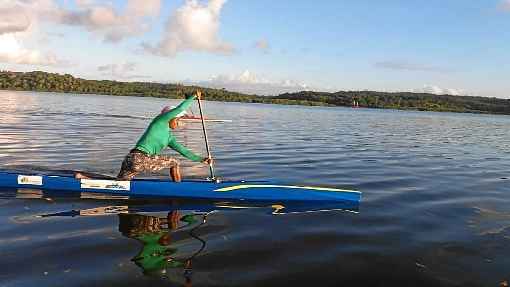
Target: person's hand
<point x="199" y="94"/>
<point x="207" y="161"/>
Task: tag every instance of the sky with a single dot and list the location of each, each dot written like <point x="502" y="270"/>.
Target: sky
<point x="458" y="47"/>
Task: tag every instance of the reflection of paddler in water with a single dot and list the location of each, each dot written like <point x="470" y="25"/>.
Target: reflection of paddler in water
<point x="155" y="234"/>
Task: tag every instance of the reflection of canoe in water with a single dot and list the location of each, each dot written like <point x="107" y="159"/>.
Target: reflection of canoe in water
<point x="192" y="189"/>
<point x="196" y="206"/>
<point x="202" y="207"/>
<point x="193" y="118"/>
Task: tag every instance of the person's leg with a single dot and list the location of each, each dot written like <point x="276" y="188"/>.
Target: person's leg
<point x="159" y="162"/>
<point x="137" y="162"/>
<point x="130" y="167"/>
<point x="175" y="173"/>
<point x="126" y="175"/>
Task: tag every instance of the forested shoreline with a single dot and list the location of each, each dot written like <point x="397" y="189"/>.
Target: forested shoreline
<point x="51" y="82"/>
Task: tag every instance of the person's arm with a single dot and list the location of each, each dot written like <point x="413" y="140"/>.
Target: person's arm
<point x="179" y="109"/>
<point x="184" y="151"/>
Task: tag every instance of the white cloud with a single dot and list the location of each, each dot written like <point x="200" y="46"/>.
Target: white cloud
<point x="25" y="12"/>
<point x="11" y="51"/>
<point x="408" y="66"/>
<point x="123" y="71"/>
<point x="83" y="3"/>
<point x="113" y="25"/>
<point x="504" y="5"/>
<point x="11" y="21"/>
<point x="143" y="8"/>
<point x="192" y="27"/>
<point x="432" y="89"/>
<point x="262" y="45"/>
<point x="19" y="21"/>
<point x="250" y="83"/>
<point x="18" y="16"/>
<point x="102" y="18"/>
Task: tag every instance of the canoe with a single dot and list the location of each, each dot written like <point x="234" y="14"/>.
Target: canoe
<point x="259" y="191"/>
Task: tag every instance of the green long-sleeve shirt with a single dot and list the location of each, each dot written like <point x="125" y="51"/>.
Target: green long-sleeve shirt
<point x="155" y="256"/>
<point x="158" y="134"/>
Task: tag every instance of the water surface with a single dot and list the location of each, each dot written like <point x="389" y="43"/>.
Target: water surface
<point x="434" y="210"/>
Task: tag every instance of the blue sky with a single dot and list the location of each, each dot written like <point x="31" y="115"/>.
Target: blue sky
<point x="267" y="47"/>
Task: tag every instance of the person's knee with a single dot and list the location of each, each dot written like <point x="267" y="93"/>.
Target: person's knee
<point x="175" y="163"/>
<point x="123" y="177"/>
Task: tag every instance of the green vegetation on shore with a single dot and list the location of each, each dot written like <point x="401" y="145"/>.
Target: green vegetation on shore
<point x="50" y="82"/>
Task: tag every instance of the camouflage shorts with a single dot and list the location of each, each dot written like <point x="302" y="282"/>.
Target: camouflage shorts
<point x="136" y="162"/>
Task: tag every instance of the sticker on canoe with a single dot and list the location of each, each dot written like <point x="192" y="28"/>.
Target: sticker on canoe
<point x="105" y="184"/>
<point x="30" y="179"/>
<point x="245" y="186"/>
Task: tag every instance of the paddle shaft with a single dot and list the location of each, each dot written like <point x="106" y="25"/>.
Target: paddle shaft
<point x="211" y="169"/>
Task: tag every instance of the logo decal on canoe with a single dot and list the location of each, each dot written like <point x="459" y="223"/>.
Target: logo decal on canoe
<point x="30" y="179"/>
<point x="311" y="188"/>
<point x="105" y="184"/>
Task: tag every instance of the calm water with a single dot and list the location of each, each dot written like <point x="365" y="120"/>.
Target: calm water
<point x="435" y="209"/>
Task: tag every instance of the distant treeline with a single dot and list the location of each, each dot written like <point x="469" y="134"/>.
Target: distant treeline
<point x="407" y="101"/>
<point x="50" y="82"/>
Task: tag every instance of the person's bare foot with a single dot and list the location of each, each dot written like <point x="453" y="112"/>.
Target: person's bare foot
<point x="79" y="175"/>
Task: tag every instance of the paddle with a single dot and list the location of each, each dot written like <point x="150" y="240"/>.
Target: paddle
<point x="211" y="169"/>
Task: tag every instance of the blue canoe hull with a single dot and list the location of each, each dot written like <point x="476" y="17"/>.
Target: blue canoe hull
<point x="227" y="190"/>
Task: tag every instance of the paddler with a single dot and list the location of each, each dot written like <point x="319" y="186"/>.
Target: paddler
<point x="146" y="155"/>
